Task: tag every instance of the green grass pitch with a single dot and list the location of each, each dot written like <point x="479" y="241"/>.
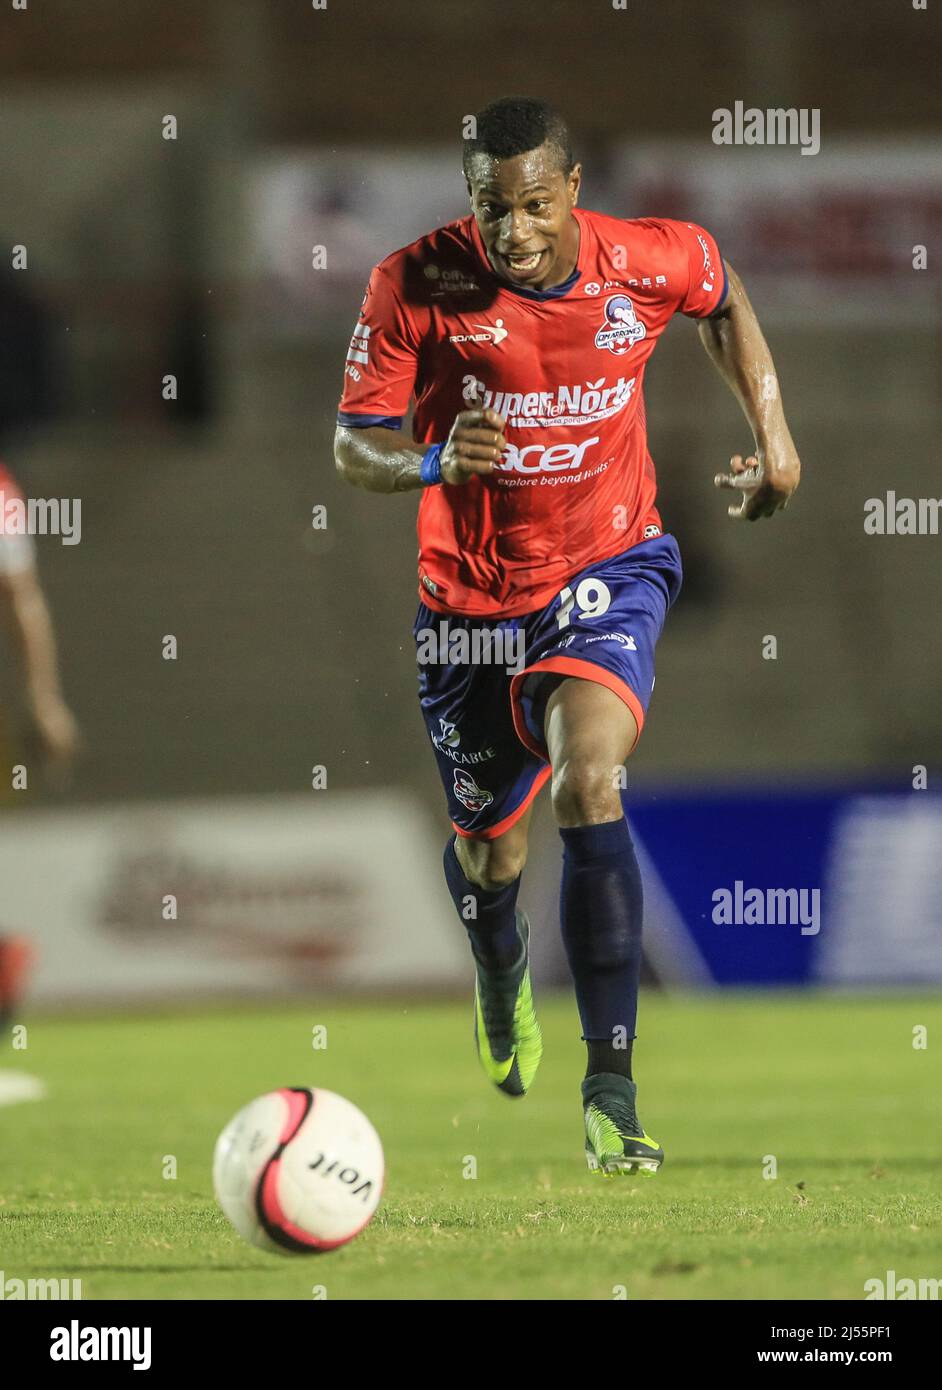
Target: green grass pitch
<point x="831" y="1086"/>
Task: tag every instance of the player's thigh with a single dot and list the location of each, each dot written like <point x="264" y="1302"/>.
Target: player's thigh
<point x="494" y="863"/>
<point x="590" y="732"/>
<point x="489" y="777"/>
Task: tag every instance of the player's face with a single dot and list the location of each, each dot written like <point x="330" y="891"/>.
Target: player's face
<point x="523" y="208"/>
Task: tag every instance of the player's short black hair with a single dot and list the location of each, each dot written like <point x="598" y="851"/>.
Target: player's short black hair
<point x="514" y="125"/>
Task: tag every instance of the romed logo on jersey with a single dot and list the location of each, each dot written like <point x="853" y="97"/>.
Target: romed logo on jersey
<point x="488" y="334"/>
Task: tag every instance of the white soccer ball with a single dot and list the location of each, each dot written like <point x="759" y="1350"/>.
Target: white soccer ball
<point x="299" y="1171"/>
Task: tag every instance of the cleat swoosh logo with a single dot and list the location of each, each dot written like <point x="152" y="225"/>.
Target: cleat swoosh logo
<point x="641" y="1138"/>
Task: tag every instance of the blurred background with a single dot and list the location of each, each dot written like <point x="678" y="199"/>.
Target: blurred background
<point x="169" y="169"/>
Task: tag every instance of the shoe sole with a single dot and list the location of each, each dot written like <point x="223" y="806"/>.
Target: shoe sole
<point x="623" y="1167"/>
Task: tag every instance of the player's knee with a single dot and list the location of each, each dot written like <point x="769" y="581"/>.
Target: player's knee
<point x="491" y="864"/>
<point x="585" y="792"/>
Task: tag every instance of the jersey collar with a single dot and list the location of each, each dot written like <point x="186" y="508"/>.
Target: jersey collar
<point x="555" y="291"/>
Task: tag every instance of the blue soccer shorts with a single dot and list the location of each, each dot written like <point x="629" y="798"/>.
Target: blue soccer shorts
<point x="483" y="687"/>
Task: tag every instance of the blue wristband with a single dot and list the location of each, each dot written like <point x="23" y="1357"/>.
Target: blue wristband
<point x="431" y="469"/>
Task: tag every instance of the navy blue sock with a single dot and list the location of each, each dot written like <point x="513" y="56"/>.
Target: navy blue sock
<point x="489" y="918"/>
<point x="600" y="911"/>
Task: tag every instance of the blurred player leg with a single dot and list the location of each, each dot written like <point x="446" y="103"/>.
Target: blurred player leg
<point x="17" y="958"/>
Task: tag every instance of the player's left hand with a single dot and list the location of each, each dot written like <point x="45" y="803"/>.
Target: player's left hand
<point x="765" y="482"/>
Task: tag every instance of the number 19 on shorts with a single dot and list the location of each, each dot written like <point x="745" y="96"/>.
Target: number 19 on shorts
<point x="591" y="599"/>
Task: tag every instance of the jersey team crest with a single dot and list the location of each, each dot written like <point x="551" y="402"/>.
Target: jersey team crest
<point x="469" y="793"/>
<point x="622" y="327"/>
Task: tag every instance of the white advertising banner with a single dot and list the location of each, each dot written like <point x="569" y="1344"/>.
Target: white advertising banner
<point x="836" y="240"/>
<point x="256" y="896"/>
<point x="833" y="240"/>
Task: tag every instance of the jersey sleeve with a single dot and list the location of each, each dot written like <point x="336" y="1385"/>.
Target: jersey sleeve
<point x="701" y="272"/>
<point x="382" y="360"/>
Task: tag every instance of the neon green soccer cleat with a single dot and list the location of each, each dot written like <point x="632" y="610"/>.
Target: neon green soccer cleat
<point x="615" y="1141"/>
<point x="508" y="1036"/>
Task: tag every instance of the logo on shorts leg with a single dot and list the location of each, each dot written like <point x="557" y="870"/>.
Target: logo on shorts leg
<point x="448" y="741"/>
<point x="449" y="736"/>
<point x="469" y="793"/>
<point x="625" y="639"/>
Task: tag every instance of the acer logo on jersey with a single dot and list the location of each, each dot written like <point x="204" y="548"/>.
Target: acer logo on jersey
<point x="544" y="458"/>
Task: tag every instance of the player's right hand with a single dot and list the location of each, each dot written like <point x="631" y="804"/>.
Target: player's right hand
<point x="473" y="446"/>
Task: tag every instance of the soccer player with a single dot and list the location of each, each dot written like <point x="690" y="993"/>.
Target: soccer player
<point x="25" y="614"/>
<point x="522" y="332"/>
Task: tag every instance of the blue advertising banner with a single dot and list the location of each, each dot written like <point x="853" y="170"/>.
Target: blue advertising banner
<point x="795" y="887"/>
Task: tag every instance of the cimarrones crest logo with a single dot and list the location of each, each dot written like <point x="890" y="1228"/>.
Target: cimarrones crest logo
<point x="622" y="327"/>
<point x="469" y="793"/>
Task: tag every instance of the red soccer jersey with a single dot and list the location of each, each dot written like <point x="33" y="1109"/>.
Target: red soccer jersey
<point x="565" y="366"/>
